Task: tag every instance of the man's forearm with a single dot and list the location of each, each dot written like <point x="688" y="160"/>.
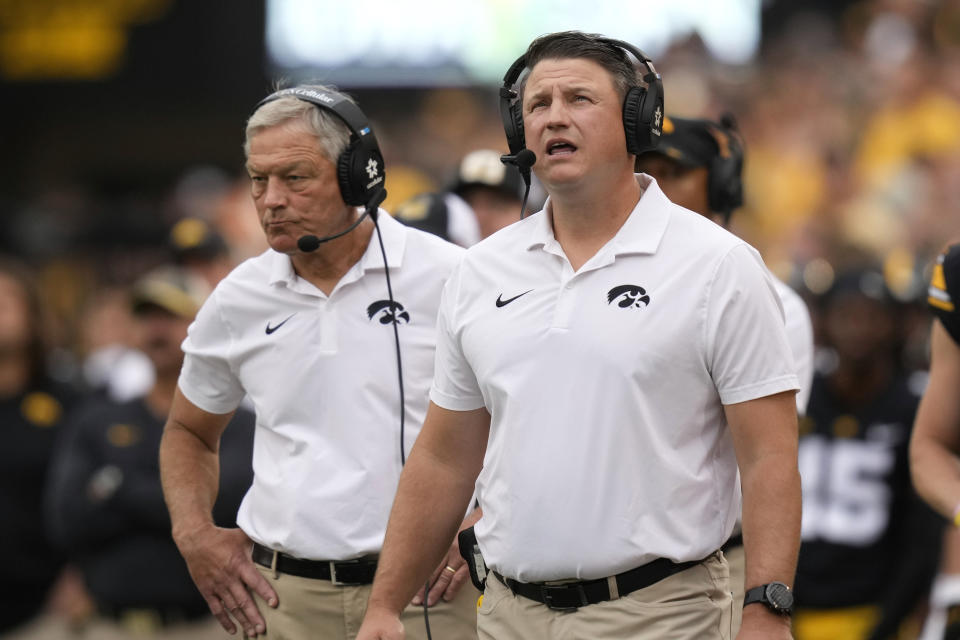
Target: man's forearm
<point x="771" y="520"/>
<point x="936" y="430"/>
<point x="427" y="511"/>
<point x="933" y="465"/>
<point x="189" y="471"/>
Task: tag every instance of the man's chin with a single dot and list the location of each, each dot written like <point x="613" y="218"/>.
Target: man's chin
<point x="283" y="243"/>
<point x="562" y="180"/>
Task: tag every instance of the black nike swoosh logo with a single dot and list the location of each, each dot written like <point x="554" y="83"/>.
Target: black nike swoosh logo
<point x="503" y="303"/>
<point x="272" y="329"/>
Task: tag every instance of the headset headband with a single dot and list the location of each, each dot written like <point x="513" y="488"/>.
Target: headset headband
<point x="360" y="170"/>
<point x="337" y="103"/>
<point x="513" y="73"/>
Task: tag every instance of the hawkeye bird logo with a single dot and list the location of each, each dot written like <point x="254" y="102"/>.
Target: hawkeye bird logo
<point x="389" y="312"/>
<point x="372" y="169"/>
<point x="629" y="295"/>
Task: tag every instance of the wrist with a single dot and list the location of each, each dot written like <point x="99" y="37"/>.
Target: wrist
<point x="759" y="614"/>
<point x="184" y="533"/>
<point x="382" y="608"/>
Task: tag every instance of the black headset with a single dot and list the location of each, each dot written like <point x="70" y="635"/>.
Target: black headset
<point x="642" y="106"/>
<point x="725" y="180"/>
<point x="360" y="169"/>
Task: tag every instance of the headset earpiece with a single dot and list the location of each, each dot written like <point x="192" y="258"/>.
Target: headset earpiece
<point x="725" y="180"/>
<point x="346" y="169"/>
<point x="632" y="106"/>
<point x="516" y="111"/>
<point x="511" y="111"/>
<point x="650" y="125"/>
<point x="360" y="170"/>
<point x="357" y="167"/>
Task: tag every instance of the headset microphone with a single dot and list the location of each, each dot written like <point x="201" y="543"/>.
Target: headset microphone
<point x="522" y="160"/>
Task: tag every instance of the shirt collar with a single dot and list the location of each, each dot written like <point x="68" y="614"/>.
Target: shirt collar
<point x="394" y="243"/>
<point x="640" y="233"/>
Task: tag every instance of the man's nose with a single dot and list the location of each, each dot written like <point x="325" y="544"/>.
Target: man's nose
<point x="275" y="193"/>
<point x="558" y="114"/>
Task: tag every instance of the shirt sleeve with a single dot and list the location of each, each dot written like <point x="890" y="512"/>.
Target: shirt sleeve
<point x="207" y="379"/>
<point x="800" y="336"/>
<point x="747" y="351"/>
<point x="944" y="291"/>
<point x="455" y="385"/>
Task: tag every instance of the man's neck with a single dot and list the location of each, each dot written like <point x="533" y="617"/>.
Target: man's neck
<point x="327" y="265"/>
<point x="584" y="220"/>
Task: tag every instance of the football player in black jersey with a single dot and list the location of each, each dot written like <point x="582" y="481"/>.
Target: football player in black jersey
<point x="934" y="448"/>
<point x="869" y="545"/>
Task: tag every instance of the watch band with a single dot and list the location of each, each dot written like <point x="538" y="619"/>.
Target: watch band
<point x="754" y="595"/>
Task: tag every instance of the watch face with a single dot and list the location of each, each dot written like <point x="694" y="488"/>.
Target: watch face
<point x="778" y="594"/>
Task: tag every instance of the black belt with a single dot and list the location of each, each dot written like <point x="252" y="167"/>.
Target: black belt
<point x="573" y="595"/>
<point x="339" y="572"/>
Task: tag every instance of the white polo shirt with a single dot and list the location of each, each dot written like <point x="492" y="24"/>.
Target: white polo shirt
<point x="321" y="372"/>
<point x="608" y="445"/>
<point x="800" y="336"/>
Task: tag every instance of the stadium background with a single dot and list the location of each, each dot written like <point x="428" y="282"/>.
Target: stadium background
<point x="121" y="117"/>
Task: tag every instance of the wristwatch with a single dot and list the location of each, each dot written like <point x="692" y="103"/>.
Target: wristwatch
<point x="776" y="596"/>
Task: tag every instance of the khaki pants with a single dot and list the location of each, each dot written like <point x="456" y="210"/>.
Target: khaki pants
<point x="317" y="610"/>
<point x="694" y="604"/>
<point x="736" y="559"/>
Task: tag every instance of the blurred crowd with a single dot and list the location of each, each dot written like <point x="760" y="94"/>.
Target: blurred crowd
<point x="852" y="136"/>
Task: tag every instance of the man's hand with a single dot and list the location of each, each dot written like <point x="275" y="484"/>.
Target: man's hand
<point x="220" y="565"/>
<point x="381" y="624"/>
<point x="447" y="579"/>
<point x="759" y="623"/>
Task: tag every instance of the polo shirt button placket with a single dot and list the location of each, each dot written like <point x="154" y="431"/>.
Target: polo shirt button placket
<point x="328" y="327"/>
<point x="565" y="303"/>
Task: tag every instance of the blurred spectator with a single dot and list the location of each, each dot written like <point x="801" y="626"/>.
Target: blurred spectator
<point x="113" y="365"/>
<point x="201" y="249"/>
<point x="105" y="501"/>
<point x="443" y="214"/>
<point x="870" y="546"/>
<point x="485" y="196"/>
<point x="33" y="408"/>
<point x="492" y="189"/>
